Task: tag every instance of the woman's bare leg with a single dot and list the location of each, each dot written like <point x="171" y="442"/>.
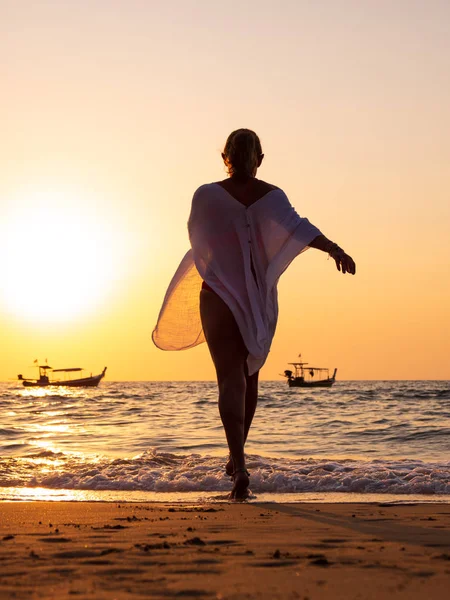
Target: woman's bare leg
<point x="251" y="400"/>
<point x="229" y="355"/>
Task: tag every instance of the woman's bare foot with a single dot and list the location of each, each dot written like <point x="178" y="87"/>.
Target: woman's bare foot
<point x="229" y="467"/>
<point x="240" y="485"/>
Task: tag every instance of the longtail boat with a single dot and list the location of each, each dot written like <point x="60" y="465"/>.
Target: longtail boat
<point x="305" y="376"/>
<point x="46" y="379"/>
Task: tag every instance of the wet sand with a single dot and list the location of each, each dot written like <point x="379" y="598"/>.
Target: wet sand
<point x="224" y="551"/>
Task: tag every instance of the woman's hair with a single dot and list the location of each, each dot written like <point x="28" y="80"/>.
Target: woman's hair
<point x="242" y="153"/>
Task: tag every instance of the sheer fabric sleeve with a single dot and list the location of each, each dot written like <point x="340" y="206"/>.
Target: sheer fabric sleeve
<point x="179" y="325"/>
<point x="289" y="236"/>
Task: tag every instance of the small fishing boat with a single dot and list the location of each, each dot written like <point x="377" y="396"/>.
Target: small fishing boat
<point x="305" y="376"/>
<point x="45" y="379"/>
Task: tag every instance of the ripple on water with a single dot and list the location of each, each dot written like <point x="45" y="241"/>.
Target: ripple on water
<point x="372" y="419"/>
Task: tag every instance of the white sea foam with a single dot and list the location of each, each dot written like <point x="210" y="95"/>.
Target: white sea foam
<point x="155" y="471"/>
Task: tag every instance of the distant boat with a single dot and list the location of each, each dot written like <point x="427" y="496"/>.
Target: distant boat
<point x="304" y="376"/>
<point x="46" y="380"/>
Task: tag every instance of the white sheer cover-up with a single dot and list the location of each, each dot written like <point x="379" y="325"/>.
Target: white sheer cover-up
<point x="240" y="252"/>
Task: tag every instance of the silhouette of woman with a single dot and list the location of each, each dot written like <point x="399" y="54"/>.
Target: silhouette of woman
<point x="244" y="233"/>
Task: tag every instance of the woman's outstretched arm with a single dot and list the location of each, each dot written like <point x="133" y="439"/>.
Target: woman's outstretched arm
<point x="344" y="262"/>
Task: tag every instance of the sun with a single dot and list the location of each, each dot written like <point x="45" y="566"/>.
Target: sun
<point x="60" y="256"/>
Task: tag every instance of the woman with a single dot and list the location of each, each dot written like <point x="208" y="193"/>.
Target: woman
<point x="244" y="233"/>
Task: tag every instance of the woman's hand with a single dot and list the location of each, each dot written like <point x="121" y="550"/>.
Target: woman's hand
<point x="344" y="262"/>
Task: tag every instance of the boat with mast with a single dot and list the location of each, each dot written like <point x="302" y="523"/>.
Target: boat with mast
<point x="64" y="378"/>
<point x="306" y="376"/>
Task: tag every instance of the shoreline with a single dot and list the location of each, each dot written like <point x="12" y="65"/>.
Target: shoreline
<point x="37" y="494"/>
<point x="224" y="551"/>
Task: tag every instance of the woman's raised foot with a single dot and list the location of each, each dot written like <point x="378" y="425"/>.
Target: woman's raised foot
<point x="229" y="467"/>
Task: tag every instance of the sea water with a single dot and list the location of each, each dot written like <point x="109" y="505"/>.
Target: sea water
<point x="139" y="441"/>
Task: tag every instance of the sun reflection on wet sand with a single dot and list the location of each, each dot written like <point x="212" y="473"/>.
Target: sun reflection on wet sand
<point x="27" y="494"/>
<point x="43" y="494"/>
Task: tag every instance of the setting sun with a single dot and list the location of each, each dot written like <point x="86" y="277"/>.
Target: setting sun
<point x="62" y="257"/>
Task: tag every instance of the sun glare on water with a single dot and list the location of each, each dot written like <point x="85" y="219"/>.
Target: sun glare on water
<point x="60" y="257"/>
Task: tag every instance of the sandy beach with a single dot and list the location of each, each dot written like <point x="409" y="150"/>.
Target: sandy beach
<point x="224" y="551"/>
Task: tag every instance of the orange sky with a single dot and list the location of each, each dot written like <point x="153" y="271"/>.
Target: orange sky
<point x="116" y="111"/>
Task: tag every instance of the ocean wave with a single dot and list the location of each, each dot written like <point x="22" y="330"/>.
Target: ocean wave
<point x="352" y="420"/>
<point x="166" y="472"/>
